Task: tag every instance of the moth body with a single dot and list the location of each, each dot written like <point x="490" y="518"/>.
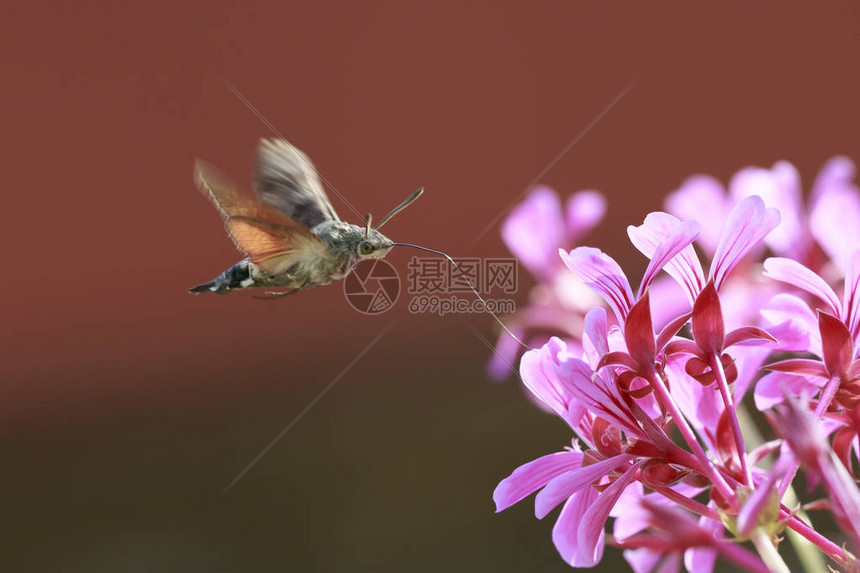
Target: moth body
<point x="342" y="246"/>
<point x="288" y="230"/>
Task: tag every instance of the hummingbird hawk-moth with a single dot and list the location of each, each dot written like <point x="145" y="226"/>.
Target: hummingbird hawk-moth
<point x="289" y="231"/>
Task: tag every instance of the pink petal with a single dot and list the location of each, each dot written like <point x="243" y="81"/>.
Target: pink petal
<point x="835" y="213"/>
<point x="793" y="273"/>
<point x="779" y="188"/>
<point x="790" y="320"/>
<point x="775" y="386"/>
<point x="703" y="559"/>
<point x="643" y="560"/>
<point x="674" y="301"/>
<point x="678" y="240"/>
<point x="685" y="268"/>
<point x="701" y="405"/>
<point x="748" y="360"/>
<point x="835" y="224"/>
<point x="600" y="394"/>
<point x="567" y="484"/>
<point x="538" y="372"/>
<point x="590" y="531"/>
<point x="701" y="198"/>
<point x="564" y="532"/>
<point x="838" y="172"/>
<point x="630" y="516"/>
<point x="584" y="210"/>
<point x="502" y="361"/>
<point x="600" y="272"/>
<point x="748" y="223"/>
<point x="851" y="294"/>
<point x="807" y="438"/>
<point x="532" y="476"/>
<point x="595" y="334"/>
<point x="535" y="230"/>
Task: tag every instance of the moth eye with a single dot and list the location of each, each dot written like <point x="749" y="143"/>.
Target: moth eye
<point x="365" y="248"/>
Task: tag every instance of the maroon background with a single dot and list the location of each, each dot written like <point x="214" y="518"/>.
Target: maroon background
<point x="127" y="404"/>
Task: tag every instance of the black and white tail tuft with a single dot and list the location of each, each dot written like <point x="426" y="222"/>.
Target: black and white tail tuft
<point x="236" y="277"/>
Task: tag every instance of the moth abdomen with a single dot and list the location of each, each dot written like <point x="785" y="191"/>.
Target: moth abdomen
<point x="236" y="277"/>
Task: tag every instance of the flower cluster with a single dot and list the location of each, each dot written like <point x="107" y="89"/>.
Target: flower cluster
<point x="651" y="382"/>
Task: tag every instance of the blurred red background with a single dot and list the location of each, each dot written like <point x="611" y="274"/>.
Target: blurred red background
<point x="128" y="405"/>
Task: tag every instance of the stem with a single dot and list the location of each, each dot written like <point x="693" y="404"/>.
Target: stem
<point x="666" y="399"/>
<point x="825" y="545"/>
<point x="723" y="384"/>
<point x="692" y="505"/>
<point x="768" y="552"/>
<point x="823" y="404"/>
<point x="809" y="555"/>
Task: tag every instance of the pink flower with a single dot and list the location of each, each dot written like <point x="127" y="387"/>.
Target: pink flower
<point x="833" y="208"/>
<point x="625" y="387"/>
<point x="534" y="231"/>
<point x="837" y="375"/>
<point x="808" y="441"/>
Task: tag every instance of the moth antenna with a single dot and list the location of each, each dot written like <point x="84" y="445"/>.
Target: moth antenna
<point x="367" y="221"/>
<point x="401" y="207"/>
<point x="462" y="274"/>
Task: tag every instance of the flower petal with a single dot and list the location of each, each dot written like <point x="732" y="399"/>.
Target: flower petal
<point x="564" y="532"/>
<point x="835" y="215"/>
<point x="703" y="559"/>
<point x="538" y="372"/>
<point x="600" y="272"/>
<point x="500" y="365"/>
<point x="630" y="516"/>
<point x="793" y="273"/>
<point x="701" y="198"/>
<point x="851" y="295"/>
<point x="795" y="326"/>
<point x="532" y="476"/>
<point x="584" y="210"/>
<point x="775" y="386"/>
<point x="535" y="230"/>
<point x="567" y="484"/>
<point x="685" y="268"/>
<point x="838" y="172"/>
<point x="778" y="187"/>
<point x="590" y="531"/>
<point x="595" y="334"/>
<point x="679" y="242"/>
<point x="701" y="405"/>
<point x="807" y="438"/>
<point x="748" y="223"/>
<point x="643" y="559"/>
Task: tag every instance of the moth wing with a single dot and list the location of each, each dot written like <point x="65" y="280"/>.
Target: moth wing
<point x="286" y="179"/>
<point x="266" y="235"/>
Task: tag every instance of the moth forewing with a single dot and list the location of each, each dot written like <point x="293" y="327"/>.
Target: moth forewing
<point x="270" y="239"/>
<point x="286" y="179"/>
